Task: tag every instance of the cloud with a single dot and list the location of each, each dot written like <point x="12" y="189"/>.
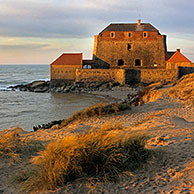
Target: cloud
<point x="23" y="47"/>
<point x="62" y="25"/>
<point x="84" y="18"/>
<point x="63" y="18"/>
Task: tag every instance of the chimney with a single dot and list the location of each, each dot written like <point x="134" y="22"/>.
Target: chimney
<point x="139" y="22"/>
<point x="178" y="50"/>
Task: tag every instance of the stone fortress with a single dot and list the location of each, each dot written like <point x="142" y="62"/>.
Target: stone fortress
<point x="124" y="53"/>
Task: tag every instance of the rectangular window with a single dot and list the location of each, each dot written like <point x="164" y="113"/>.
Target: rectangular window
<point x="112" y="34"/>
<point x="129" y="34"/>
<point x="145" y="34"/>
<point x="129" y="47"/>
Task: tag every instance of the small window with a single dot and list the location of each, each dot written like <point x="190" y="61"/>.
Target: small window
<point x="129" y="47"/>
<point x="87" y="67"/>
<point x="145" y="34"/>
<point x="137" y="62"/>
<point x="129" y="34"/>
<point x="120" y="62"/>
<point x="112" y="34"/>
<point x="101" y="35"/>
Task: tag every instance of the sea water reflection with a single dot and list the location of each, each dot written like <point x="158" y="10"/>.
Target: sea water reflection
<point x="28" y="109"/>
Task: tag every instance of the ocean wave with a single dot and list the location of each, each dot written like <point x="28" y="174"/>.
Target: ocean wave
<point x="4" y="88"/>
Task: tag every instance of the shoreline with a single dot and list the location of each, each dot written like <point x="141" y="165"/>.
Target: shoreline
<point x="117" y="95"/>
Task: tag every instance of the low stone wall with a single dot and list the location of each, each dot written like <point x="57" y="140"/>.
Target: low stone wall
<point x="156" y="75"/>
<point x="62" y="72"/>
<point x="100" y="75"/>
<point x="117" y="75"/>
<point x="178" y="64"/>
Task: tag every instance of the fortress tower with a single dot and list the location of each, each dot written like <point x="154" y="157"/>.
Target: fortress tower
<point x="133" y="45"/>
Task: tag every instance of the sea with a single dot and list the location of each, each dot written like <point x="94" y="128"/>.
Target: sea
<point x="28" y="109"/>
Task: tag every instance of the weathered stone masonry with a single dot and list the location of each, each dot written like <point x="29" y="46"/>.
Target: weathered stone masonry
<point x="149" y="51"/>
<point x="100" y="75"/>
<point x="156" y="75"/>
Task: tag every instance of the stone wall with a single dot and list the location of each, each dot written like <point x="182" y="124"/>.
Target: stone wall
<point x="156" y="75"/>
<point x="178" y="64"/>
<point x="100" y="75"/>
<point x="62" y="72"/>
<point x="118" y="75"/>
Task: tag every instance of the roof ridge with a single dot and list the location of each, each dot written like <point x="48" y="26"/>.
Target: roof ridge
<point x="129" y="27"/>
<point x="175" y="54"/>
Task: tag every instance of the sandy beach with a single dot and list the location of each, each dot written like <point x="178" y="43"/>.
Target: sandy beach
<point x="166" y="117"/>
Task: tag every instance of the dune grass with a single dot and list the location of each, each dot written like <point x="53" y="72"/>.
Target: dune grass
<point x="14" y="148"/>
<point x="91" y="111"/>
<point x="96" y="110"/>
<point x="102" y="154"/>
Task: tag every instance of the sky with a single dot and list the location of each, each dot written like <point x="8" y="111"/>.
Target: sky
<point x="38" y="31"/>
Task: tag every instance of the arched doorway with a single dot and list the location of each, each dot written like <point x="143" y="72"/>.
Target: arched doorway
<point x="137" y="62"/>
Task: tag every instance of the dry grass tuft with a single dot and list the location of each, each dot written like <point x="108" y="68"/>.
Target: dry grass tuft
<point x="14" y="148"/>
<point x="101" y="154"/>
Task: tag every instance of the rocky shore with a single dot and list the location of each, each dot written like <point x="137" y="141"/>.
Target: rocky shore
<point x="114" y="91"/>
<point x="63" y="87"/>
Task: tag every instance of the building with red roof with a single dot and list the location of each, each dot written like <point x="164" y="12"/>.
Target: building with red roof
<point x="177" y="59"/>
<point x="63" y="68"/>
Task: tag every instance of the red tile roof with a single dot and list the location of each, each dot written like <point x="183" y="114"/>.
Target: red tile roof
<point x="69" y="59"/>
<point x="178" y="57"/>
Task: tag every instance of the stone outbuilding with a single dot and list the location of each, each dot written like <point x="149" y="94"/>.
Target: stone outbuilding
<point x="64" y="67"/>
<point x="174" y="60"/>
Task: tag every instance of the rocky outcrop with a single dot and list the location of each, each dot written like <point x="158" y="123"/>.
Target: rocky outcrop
<point x="36" y="86"/>
<point x="63" y="87"/>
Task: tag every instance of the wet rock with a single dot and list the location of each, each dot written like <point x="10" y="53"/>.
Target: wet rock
<point x="41" y="90"/>
<point x="66" y="90"/>
<point x="37" y="83"/>
<point x="36" y="86"/>
<point x="65" y="86"/>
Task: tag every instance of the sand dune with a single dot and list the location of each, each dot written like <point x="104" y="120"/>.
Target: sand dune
<point x="167" y="117"/>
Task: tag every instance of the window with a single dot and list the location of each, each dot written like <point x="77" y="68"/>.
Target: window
<point x="138" y="62"/>
<point x="100" y="34"/>
<point x="130" y="35"/>
<point x="112" y="34"/>
<point x="129" y="47"/>
<point x="145" y="34"/>
<point x="120" y="62"/>
<point x="87" y="67"/>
